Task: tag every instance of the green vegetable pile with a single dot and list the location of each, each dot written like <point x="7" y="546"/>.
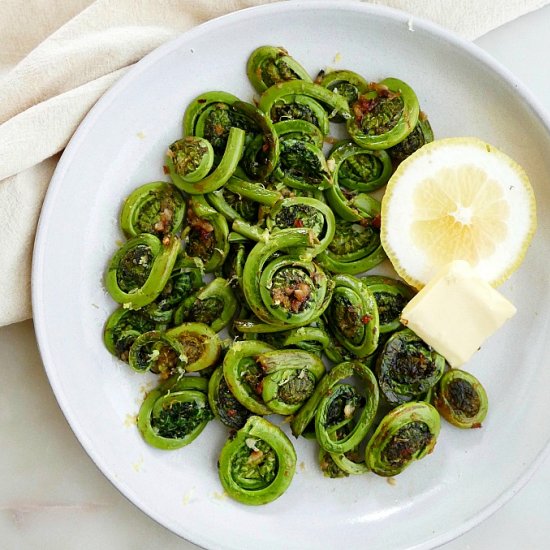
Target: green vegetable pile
<point x="262" y="234"/>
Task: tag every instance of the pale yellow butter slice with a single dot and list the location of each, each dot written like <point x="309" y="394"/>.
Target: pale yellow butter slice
<point x="456" y="312"/>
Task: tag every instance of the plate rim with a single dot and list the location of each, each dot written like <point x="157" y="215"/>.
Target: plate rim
<point x="103" y="102"/>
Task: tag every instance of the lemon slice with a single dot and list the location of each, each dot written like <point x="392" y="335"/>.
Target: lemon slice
<point x="457" y="199"/>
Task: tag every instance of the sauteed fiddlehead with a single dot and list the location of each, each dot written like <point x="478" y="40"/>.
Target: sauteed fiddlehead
<point x="260" y="221"/>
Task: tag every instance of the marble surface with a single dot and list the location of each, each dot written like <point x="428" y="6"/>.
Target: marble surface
<point x="52" y="496"/>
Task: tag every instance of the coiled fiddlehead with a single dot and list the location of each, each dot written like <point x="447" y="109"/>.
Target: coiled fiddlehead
<point x="257" y="465"/>
<point x="262" y="153"/>
<point x="391" y="297"/>
<point x="421" y="134"/>
<point x="304" y="212"/>
<point x="290" y="376"/>
<point x="121" y="329"/>
<point x="174" y="414"/>
<point x="287" y="291"/>
<point x="355" y="248"/>
<point x="205" y="237"/>
<point x="215" y="305"/>
<point x="140" y="269"/>
<point x="223" y="403"/>
<point x="383" y="116"/>
<point x="298" y="100"/>
<point x="407" y="433"/>
<point x="407" y="367"/>
<point x="208" y="116"/>
<point x="302" y="166"/>
<point x="269" y="65"/>
<point x="190" y="159"/>
<point x="353" y="315"/>
<point x="158" y="352"/>
<point x="244" y="376"/>
<point x="461" y="399"/>
<point x="334" y="405"/>
<point x="348" y="84"/>
<point x="338" y="408"/>
<point x="183" y="282"/>
<point x="301" y="130"/>
<point x="156" y="207"/>
<point x="359" y="169"/>
<point x="201" y="345"/>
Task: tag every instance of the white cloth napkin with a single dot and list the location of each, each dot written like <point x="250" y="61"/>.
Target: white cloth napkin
<point x="81" y="48"/>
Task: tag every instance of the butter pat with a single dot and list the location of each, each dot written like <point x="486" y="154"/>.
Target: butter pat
<point x="456" y="312"/>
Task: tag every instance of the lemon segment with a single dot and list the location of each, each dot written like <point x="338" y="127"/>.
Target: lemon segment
<point x="457" y="199"/>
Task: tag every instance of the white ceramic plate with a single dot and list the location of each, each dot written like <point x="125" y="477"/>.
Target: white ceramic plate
<point x="120" y="145"/>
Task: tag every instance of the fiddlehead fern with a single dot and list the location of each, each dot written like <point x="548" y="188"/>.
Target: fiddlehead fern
<point x="201" y="345"/>
<point x="205" y="237"/>
<point x="297" y="100"/>
<point x="286" y="291"/>
<point x="302" y="166"/>
<point x="391" y="297"/>
<point x="208" y="116"/>
<point x="383" y="116"/>
<point x="262" y="153"/>
<point x="304" y="212"/>
<point x="301" y="130"/>
<point x="421" y="134"/>
<point x="244" y="376"/>
<point x="241" y="200"/>
<point x="173" y="415"/>
<point x="183" y="282"/>
<point x="121" y="329"/>
<point x="269" y="65"/>
<point x="348" y="84"/>
<point x="359" y="169"/>
<point x="140" y="269"/>
<point x="290" y="376"/>
<point x="189" y="160"/>
<point x="355" y="248"/>
<point x="223" y="403"/>
<point x="334" y="405"/>
<point x="461" y="399"/>
<point x="407" y="367"/>
<point x="353" y="315"/>
<point x="257" y="465"/>
<point x="157" y="352"/>
<point x="407" y="433"/>
<point x="311" y="339"/>
<point x="215" y="305"/>
<point x="157" y="208"/>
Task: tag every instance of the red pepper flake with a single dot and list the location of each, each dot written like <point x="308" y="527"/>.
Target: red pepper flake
<point x="366" y="319"/>
<point x="362" y="106"/>
<point x="265" y="147"/>
<point x="298" y="223"/>
<point x="201" y="100"/>
<point x="231" y="412"/>
<point x="376" y="221"/>
<point x="476" y="425"/>
<point x="165" y="169"/>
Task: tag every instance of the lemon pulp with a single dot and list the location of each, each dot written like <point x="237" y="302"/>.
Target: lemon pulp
<point x="457" y="199"/>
